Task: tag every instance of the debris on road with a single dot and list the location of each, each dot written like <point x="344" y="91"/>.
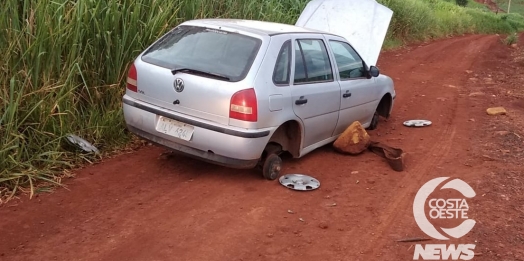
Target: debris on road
<point x="394" y="156"/>
<point x="299" y="182"/>
<point x="496" y="111"/>
<point x="475" y="94"/>
<point x="81" y="143"/>
<point x="502" y="133"/>
<point x="354" y="172"/>
<point x="290" y="211"/>
<point x="417" y="123"/>
<point x="488" y="158"/>
<point x="354" y="140"/>
<point x="416" y="239"/>
<point x="301" y="219"/>
<point x="488" y="80"/>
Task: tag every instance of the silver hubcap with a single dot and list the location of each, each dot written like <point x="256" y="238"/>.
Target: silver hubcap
<point x="299" y="182"/>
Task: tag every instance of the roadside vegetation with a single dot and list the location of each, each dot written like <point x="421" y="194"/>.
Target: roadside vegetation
<point x="65" y="62"/>
<point x="417" y="20"/>
<point x="511" y="39"/>
<point x="517" y="6"/>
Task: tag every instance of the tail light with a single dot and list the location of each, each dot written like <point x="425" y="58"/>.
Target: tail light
<point x="132" y="79"/>
<point x="244" y="106"/>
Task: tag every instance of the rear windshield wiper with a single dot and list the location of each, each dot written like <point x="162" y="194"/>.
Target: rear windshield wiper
<point x="194" y="71"/>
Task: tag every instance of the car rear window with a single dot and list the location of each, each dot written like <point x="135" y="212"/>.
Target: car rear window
<point x="198" y="48"/>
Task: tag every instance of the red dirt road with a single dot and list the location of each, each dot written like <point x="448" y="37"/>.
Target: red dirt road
<point x="144" y="206"/>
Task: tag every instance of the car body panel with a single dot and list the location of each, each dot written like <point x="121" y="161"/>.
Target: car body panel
<point x="274" y="101"/>
<point x="322" y="99"/>
<point x="364" y="23"/>
<point x="359" y="96"/>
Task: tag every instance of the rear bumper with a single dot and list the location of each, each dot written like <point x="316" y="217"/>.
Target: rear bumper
<point x="218" y="144"/>
<point x="195" y="153"/>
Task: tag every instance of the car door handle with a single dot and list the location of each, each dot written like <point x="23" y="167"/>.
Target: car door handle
<point x="301" y="101"/>
<point x="346" y="95"/>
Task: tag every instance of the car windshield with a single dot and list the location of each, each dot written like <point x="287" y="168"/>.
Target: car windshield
<point x="207" y="50"/>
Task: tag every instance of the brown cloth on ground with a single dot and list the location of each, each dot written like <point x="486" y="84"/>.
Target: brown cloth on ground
<point x="394" y="156"/>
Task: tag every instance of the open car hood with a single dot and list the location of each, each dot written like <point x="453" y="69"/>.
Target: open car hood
<point x="364" y="23"/>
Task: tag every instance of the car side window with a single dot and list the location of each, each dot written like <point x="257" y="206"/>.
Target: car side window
<point x="348" y="62"/>
<point x="312" y="62"/>
<point x="283" y="65"/>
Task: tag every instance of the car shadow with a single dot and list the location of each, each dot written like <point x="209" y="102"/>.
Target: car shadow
<point x="191" y="168"/>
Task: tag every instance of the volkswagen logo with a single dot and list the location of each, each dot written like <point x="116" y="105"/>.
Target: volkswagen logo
<point x="179" y="85"/>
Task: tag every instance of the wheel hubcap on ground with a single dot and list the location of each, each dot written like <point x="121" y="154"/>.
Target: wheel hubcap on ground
<point x="299" y="182"/>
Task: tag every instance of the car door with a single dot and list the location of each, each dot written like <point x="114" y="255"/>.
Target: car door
<point x="359" y="92"/>
<point x="315" y="94"/>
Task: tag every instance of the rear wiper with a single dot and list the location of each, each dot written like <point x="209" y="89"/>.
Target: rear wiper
<point x="194" y="71"/>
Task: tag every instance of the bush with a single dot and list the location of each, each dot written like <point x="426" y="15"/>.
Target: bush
<point x="511" y="39"/>
<point x="462" y="2"/>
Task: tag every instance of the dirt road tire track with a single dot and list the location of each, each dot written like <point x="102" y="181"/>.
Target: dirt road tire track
<point x="462" y="53"/>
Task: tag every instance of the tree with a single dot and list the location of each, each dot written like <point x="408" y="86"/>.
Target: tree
<point x="462" y="2"/>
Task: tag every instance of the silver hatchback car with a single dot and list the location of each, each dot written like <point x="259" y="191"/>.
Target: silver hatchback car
<point x="239" y="93"/>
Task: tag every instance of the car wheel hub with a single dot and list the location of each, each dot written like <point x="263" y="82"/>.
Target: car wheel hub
<point x="299" y="182"/>
<point x="417" y="123"/>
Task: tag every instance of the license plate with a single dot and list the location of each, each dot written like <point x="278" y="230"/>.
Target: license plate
<point x="175" y="128"/>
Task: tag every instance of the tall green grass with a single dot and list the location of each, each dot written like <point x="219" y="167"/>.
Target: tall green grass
<point x="64" y="63"/>
<point x="63" y="66"/>
<point x="419" y="20"/>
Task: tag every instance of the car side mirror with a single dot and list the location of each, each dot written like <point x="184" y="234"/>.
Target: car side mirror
<point x="374" y="71"/>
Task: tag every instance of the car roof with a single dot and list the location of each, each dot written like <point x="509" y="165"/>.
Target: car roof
<point x="252" y="26"/>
